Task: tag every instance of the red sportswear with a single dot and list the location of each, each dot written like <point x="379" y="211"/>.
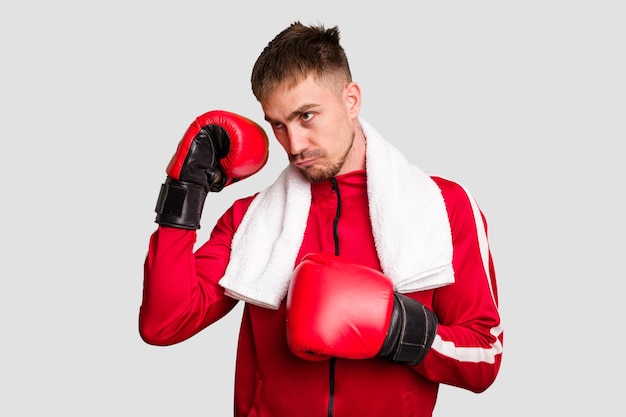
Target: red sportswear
<point x="182" y="296"/>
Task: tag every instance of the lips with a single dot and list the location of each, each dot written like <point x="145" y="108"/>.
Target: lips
<point x="307" y="158"/>
<point x="305" y="163"/>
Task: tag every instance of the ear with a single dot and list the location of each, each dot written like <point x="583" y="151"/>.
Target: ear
<point x="352" y="96"/>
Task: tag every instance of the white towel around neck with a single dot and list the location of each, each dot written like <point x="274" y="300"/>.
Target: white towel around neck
<point x="409" y="222"/>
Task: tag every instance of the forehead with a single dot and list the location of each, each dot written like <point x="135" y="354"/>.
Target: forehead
<point x="309" y="93"/>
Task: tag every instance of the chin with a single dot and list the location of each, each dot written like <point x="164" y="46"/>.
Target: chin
<point x="318" y="175"/>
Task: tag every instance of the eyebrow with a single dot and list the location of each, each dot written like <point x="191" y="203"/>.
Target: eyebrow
<point x="302" y="109"/>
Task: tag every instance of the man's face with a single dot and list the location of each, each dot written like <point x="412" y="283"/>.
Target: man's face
<point x="316" y="126"/>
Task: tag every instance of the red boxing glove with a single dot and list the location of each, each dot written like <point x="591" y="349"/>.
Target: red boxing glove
<point x="335" y="308"/>
<point x="218" y="149"/>
<point x="232" y="145"/>
<point x="347" y="310"/>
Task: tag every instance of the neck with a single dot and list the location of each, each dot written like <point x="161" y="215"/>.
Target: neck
<point x="356" y="159"/>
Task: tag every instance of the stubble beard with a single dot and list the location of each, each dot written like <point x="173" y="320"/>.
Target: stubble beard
<point x="325" y="172"/>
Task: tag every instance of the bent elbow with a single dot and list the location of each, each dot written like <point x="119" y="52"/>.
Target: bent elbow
<point x="150" y="336"/>
<point x="487" y="377"/>
<point x="483" y="385"/>
<point x="152" y="333"/>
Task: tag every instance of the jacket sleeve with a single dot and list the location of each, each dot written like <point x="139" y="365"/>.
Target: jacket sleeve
<point x="467" y="349"/>
<point x="181" y="294"/>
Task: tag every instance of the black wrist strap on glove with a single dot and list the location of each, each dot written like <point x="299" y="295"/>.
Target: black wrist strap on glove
<point x="180" y="204"/>
<point x="411" y="332"/>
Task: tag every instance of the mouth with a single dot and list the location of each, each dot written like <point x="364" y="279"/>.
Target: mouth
<point x="305" y="163"/>
<point x="307" y="158"/>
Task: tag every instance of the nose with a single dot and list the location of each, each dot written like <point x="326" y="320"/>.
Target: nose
<point x="297" y="140"/>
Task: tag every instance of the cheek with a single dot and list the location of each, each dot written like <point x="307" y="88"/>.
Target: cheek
<point x="283" y="141"/>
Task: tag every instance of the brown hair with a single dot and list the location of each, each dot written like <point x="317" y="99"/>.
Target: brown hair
<point x="295" y="53"/>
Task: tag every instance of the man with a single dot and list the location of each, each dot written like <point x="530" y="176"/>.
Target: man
<point x="366" y="282"/>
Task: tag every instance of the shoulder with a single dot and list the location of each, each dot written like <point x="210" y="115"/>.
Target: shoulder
<point x="460" y="204"/>
<point x="452" y="191"/>
<point x="238" y="209"/>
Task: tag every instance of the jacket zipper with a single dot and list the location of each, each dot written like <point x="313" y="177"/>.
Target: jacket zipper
<point x="331" y="399"/>
<point x="335" y="187"/>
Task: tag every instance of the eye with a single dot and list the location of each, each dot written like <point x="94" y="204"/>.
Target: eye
<point x="276" y="125"/>
<point x="306" y="116"/>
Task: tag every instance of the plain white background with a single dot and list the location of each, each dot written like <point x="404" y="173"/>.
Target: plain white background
<point x="521" y="102"/>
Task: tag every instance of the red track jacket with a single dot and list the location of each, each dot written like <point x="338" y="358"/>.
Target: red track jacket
<point x="182" y="296"/>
